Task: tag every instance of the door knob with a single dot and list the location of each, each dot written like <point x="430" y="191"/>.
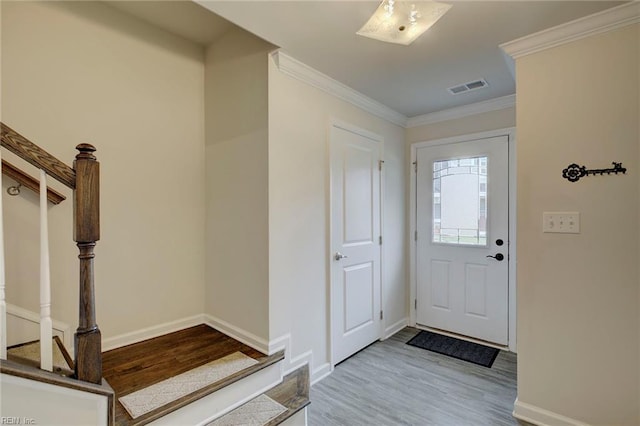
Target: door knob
<point x="339" y="256"/>
<point x="499" y="257"/>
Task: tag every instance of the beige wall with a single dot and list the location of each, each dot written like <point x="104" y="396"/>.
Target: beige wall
<point x="299" y="119"/>
<point x="578" y="301"/>
<point x="477" y="123"/>
<point x="237" y="230"/>
<point x="83" y="72"/>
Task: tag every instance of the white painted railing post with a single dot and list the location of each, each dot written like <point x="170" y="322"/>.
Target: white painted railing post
<point x="46" y="325"/>
<point x="3" y="302"/>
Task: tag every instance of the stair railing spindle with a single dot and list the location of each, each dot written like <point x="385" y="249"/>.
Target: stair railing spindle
<point x="46" y="325"/>
<point x="3" y="303"/>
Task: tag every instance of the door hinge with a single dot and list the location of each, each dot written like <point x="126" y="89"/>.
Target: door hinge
<point x="415" y="304"/>
<point x="380" y="163"/>
<point x="415" y="235"/>
<point x="380" y="239"/>
<point x="415" y="166"/>
<point x="381" y="315"/>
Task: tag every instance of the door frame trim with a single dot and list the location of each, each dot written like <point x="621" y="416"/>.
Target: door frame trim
<point x="510" y="132"/>
<point x="335" y="122"/>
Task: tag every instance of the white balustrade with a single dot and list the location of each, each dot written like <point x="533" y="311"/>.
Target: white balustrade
<point x="3" y="303"/>
<point x="46" y="324"/>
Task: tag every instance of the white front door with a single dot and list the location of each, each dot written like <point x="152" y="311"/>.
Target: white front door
<point x="462" y="211"/>
<point x="355" y="247"/>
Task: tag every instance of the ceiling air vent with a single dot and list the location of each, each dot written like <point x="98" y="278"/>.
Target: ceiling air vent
<point x="467" y="87"/>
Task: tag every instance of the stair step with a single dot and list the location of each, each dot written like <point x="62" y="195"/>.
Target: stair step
<point x="257" y="412"/>
<point x="138" y="366"/>
<point x="293" y="393"/>
<point x="155" y="396"/>
<point x="274" y="406"/>
<point x="29" y="354"/>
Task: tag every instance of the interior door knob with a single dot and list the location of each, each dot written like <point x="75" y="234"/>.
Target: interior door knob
<point x="339" y="256"/>
<point x="499" y="257"/>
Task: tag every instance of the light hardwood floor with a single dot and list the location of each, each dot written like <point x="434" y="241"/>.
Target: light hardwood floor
<point x="392" y="383"/>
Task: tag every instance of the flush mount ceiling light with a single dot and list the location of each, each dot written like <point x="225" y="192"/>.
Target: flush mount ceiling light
<point x="401" y="22"/>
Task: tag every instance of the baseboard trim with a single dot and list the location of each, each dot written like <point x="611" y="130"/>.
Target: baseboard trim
<point x="541" y="417"/>
<point x="62" y="329"/>
<point x="249" y="339"/>
<point x="395" y="327"/>
<point x="150" y="332"/>
<point x="292" y="363"/>
<point x="320" y="373"/>
<point x="282" y="343"/>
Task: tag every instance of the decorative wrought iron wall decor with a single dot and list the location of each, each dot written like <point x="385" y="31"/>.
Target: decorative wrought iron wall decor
<point x="573" y="172"/>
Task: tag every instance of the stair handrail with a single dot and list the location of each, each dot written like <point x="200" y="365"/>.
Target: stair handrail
<point x="36" y="156"/>
<point x="84" y="179"/>
<point x="25" y="180"/>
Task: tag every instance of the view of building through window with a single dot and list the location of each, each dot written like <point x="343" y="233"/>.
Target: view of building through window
<point x="460" y="201"/>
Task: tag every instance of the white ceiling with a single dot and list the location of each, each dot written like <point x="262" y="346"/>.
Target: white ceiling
<point x="461" y="47"/>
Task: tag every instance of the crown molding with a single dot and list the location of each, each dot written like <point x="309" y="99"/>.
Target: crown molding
<point x="300" y="71"/>
<point x="601" y="22"/>
<point x="496" y="104"/>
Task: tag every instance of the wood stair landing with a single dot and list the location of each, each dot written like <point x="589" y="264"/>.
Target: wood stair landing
<point x="137" y="366"/>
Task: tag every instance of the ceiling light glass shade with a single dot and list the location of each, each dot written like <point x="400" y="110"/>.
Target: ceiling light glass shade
<point x="401" y="22"/>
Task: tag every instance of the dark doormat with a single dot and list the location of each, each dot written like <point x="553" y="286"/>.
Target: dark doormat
<point x="456" y="348"/>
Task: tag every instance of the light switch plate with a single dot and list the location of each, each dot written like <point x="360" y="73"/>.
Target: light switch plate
<point x="561" y="222"/>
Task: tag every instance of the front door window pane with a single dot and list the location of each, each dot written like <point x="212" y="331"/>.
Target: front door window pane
<point x="460" y="201"/>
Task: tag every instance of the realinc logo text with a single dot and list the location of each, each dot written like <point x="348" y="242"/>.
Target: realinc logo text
<point x="17" y="421"/>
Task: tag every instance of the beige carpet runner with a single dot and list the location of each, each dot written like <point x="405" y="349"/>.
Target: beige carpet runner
<point x="257" y="412"/>
<point x="31" y="351"/>
<point x="162" y="393"/>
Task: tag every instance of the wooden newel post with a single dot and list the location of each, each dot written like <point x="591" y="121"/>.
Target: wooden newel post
<point x="86" y="206"/>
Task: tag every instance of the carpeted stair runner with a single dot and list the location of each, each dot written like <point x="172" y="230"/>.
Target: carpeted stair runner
<point x="29" y="353"/>
<point x="257" y="412"/>
<point x="166" y="391"/>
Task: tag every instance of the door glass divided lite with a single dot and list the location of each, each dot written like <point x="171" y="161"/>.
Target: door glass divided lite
<point x="460" y="201"/>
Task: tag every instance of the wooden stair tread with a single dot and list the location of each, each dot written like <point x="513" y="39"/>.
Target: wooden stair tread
<point x="292" y="393"/>
<point x="143" y="364"/>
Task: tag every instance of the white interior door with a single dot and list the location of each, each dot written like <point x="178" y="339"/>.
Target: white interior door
<point x="462" y="211"/>
<point x="355" y="233"/>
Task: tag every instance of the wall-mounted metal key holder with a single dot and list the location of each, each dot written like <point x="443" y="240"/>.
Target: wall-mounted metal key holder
<point x="573" y="172"/>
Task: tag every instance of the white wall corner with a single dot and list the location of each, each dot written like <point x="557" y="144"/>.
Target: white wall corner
<point x="300" y="71"/>
<point x="151" y="332"/>
<point x="601" y="22"/>
<point x="541" y="417"/>
<point x="279" y="344"/>
<point x="249" y="339"/>
<point x="495" y="104"/>
<point x="28" y="322"/>
<point x="511" y="64"/>
<point x="395" y="327"/>
<point x="292" y="363"/>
